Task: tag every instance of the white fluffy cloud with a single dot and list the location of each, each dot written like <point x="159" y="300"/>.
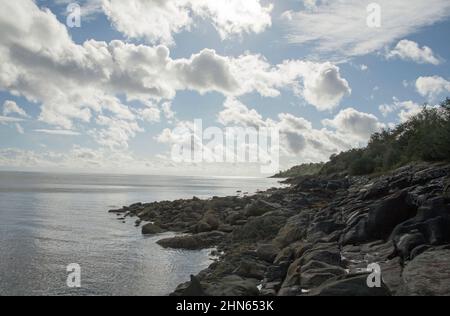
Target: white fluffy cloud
<point x="82" y="81"/>
<point x="236" y="113"/>
<point x="157" y="21"/>
<point x="409" y="50"/>
<point x="432" y="87"/>
<point x="299" y="138"/>
<point x="324" y="87"/>
<point x="355" y="124"/>
<point x="340" y="27"/>
<point x="151" y="114"/>
<point x="405" y="110"/>
<point x="11" y="107"/>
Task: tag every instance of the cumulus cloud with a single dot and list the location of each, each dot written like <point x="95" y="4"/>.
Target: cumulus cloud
<point x="167" y="110"/>
<point x="151" y="115"/>
<point x="405" y="109"/>
<point x="234" y="17"/>
<point x="340" y="27"/>
<point x="324" y="86"/>
<point x="432" y="87"/>
<point x="83" y="82"/>
<point x="409" y="50"/>
<point x="237" y="113"/>
<point x="11" y="107"/>
<point x="355" y="124"/>
<point x="157" y="21"/>
<point x="115" y="133"/>
<point x="300" y="141"/>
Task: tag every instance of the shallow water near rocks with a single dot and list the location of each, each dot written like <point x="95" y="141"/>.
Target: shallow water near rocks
<point x="48" y="221"/>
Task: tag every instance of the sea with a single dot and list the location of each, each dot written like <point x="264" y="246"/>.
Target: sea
<point x="50" y="222"/>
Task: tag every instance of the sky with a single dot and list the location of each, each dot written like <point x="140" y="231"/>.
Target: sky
<point x="112" y="93"/>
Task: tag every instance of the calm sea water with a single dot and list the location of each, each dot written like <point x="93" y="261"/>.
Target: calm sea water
<point x="48" y="221"/>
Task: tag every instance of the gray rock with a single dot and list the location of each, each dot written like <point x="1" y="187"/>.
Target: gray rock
<point x="293" y="275"/>
<point x="193" y="242"/>
<point x="447" y="188"/>
<point x="277" y="272"/>
<point x="331" y="257"/>
<point x="376" y="190"/>
<point x="428" y="274"/>
<point x="387" y="214"/>
<point x="285" y="255"/>
<point x="356" y="234"/>
<point x="315" y="273"/>
<point x="325" y="226"/>
<point x="391" y="272"/>
<point x="259" y="207"/>
<point x="406" y="243"/>
<point x="251" y="269"/>
<point x="267" y="252"/>
<point x="350" y="285"/>
<point x="151" y="229"/>
<point x="294" y="230"/>
<point x="194" y="289"/>
<point x="260" y="228"/>
<point x="232" y="285"/>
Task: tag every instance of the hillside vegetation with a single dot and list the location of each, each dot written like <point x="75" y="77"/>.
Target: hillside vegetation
<point x="301" y="170"/>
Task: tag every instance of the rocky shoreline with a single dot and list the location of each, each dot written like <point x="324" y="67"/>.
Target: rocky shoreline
<point x="318" y="236"/>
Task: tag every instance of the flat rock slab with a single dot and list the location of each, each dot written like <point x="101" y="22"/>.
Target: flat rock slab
<point x="350" y="285"/>
<point x="428" y="274"/>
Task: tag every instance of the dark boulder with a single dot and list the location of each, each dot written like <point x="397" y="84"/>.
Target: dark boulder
<point x="323" y="228"/>
<point x="194" y="289"/>
<point x="391" y="272"/>
<point x="277" y="272"/>
<point x="232" y="285"/>
<point x="259" y="207"/>
<point x="406" y="243"/>
<point x="151" y="229"/>
<point x="251" y="269"/>
<point x="447" y="189"/>
<point x="387" y="214"/>
<point x="331" y="257"/>
<point x="350" y="285"/>
<point x="315" y="273"/>
<point x="193" y="242"/>
<point x="294" y="230"/>
<point x="259" y="228"/>
<point x="267" y="252"/>
<point x="356" y="234"/>
<point x="376" y="190"/>
<point x="293" y="275"/>
<point x="428" y="274"/>
<point x="432" y="220"/>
